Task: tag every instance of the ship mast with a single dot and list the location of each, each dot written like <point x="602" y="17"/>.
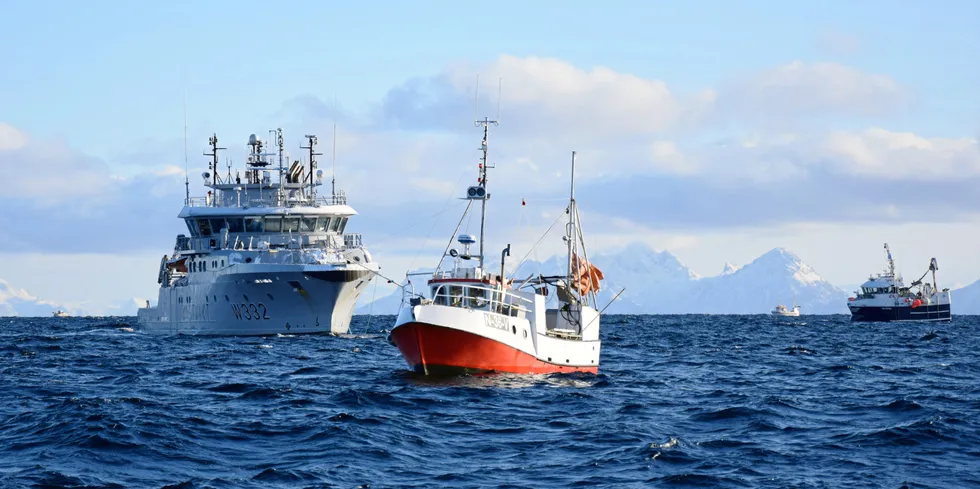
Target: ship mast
<point x="486" y="122"/>
<point x="311" y="139"/>
<point x="282" y="148"/>
<point x="570" y="230"/>
<point x="213" y="141"/>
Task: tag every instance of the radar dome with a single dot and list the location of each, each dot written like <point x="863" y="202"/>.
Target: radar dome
<point x="252" y="139"/>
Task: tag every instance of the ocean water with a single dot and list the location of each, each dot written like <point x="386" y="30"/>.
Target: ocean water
<point x="680" y="401"/>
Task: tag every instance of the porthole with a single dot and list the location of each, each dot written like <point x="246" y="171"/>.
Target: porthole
<point x="248" y="260"/>
<point x="246" y="297"/>
<point x="227" y="299"/>
<point x="513" y="328"/>
<point x="525" y="333"/>
<point x="270" y="297"/>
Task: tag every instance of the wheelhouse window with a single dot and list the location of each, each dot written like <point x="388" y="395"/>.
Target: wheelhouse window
<point x="290" y="224"/>
<point x="477" y="297"/>
<point x="253" y="224"/>
<point x="307" y="224"/>
<point x="204" y="226"/>
<point x="273" y="224"/>
<point x="335" y="224"/>
<point x="322" y="223"/>
<point x="236" y="225"/>
<point x="343" y="225"/>
<point x="455" y="295"/>
<point x="217" y="225"/>
<point x="192" y="227"/>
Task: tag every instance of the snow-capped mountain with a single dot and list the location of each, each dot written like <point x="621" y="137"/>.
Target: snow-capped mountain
<point x="19" y="302"/>
<point x="656" y="282"/>
<point x="773" y="278"/>
<point x="729" y="269"/>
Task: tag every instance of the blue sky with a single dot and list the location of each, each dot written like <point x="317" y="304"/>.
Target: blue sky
<point x="98" y="88"/>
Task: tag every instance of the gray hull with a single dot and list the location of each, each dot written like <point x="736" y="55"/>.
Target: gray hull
<point x="267" y="303"/>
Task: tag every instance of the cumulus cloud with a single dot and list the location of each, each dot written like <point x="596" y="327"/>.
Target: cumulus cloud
<point x="405" y="163"/>
<point x="60" y="199"/>
<point x="799" y="89"/>
<point x="11" y="138"/>
<point x="904" y="155"/>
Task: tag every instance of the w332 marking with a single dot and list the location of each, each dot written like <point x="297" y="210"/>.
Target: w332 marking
<point x="250" y="311"/>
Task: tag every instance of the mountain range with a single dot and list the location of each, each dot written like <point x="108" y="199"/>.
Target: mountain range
<point x="656" y="282"/>
<point x="19" y="302"/>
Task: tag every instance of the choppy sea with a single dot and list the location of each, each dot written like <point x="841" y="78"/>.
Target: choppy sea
<point x="680" y="401"/>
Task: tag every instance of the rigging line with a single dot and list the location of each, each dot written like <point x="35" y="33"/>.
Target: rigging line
<point x="560" y="216"/>
<point x="431" y="228"/>
<point x="371" y="310"/>
<point x="387" y="237"/>
<point x="603" y="309"/>
<point x="377" y="273"/>
<point x="446" y="250"/>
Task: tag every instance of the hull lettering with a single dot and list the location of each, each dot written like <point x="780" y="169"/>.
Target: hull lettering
<point x="250" y="311"/>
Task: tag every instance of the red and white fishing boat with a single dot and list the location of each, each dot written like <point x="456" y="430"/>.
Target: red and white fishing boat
<point x="472" y="320"/>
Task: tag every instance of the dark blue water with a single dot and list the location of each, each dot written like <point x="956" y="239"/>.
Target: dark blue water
<point x="693" y="401"/>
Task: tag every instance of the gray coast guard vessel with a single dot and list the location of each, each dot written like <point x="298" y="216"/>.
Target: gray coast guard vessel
<point x="262" y="257"/>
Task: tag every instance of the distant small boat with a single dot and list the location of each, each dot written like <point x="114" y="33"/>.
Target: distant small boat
<point x="783" y="311"/>
<point x="60" y="314"/>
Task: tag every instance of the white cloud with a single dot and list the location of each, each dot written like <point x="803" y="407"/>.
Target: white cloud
<point x="644" y="172"/>
<point x="11" y="138"/>
<point x="812" y="89"/>
<point x="667" y="158"/>
<point x="904" y="155"/>
<point x="547" y="92"/>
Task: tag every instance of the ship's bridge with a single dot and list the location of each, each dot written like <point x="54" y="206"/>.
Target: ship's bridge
<point x="276" y="226"/>
<point x="884" y="284"/>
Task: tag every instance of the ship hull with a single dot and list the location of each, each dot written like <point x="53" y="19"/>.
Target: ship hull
<point x="934" y="312"/>
<point x="255" y="304"/>
<point x="436" y="350"/>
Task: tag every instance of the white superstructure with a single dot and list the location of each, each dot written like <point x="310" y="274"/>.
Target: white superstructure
<point x="262" y="256"/>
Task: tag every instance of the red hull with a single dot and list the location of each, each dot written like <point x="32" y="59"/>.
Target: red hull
<point x="432" y="349"/>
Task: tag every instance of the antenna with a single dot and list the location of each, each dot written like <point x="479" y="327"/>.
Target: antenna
<point x="333" y="177"/>
<point x="311" y="139"/>
<point x="213" y="141"/>
<point x="187" y="181"/>
<point x="476" y="97"/>
<point x="484" y="165"/>
<point x="500" y="82"/>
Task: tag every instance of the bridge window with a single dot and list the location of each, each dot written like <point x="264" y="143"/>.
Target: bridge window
<point x="343" y="225"/>
<point x="290" y="224"/>
<point x="217" y="225"/>
<point x="307" y="224"/>
<point x="192" y="227"/>
<point x="204" y="226"/>
<point x="236" y="225"/>
<point x="322" y="223"/>
<point x="273" y="224"/>
<point x="477" y="297"/>
<point x="335" y="224"/>
<point x="253" y="224"/>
